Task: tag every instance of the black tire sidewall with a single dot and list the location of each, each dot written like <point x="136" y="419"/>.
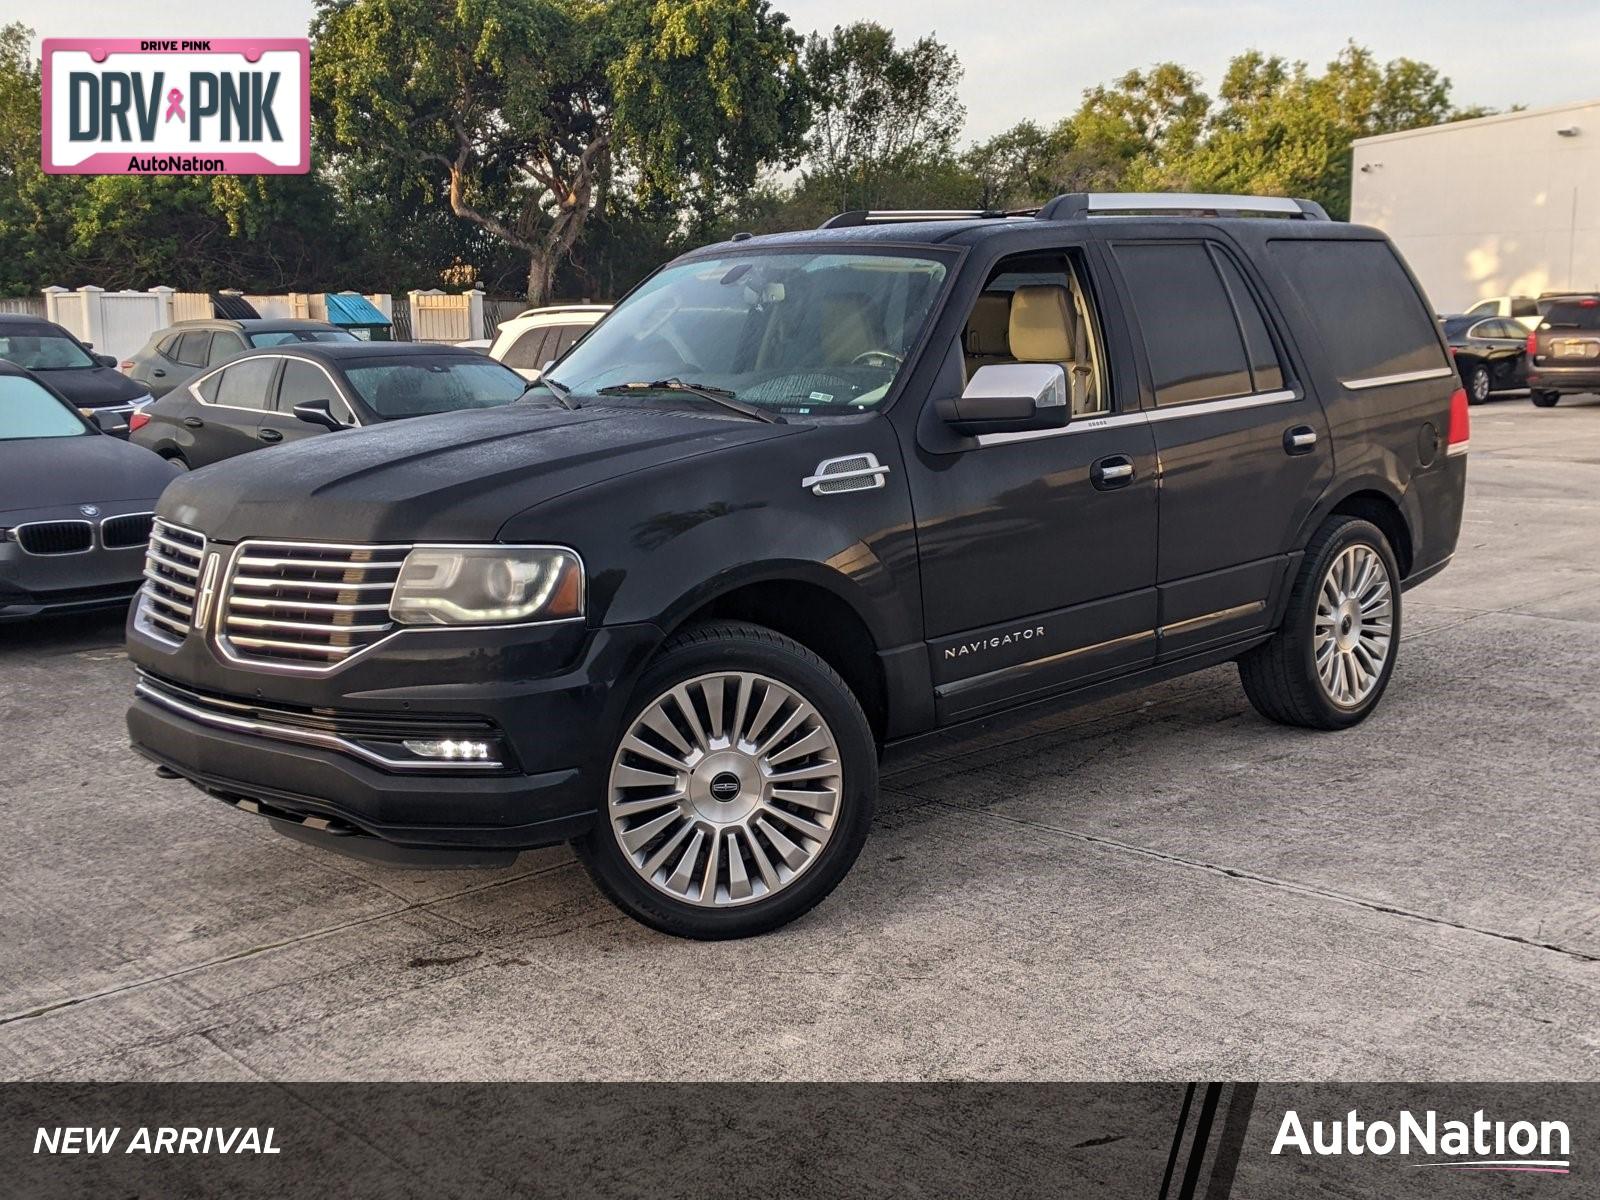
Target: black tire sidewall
<point x="743" y="648"/>
<point x="1472" y="381"/>
<point x="1543" y="399"/>
<point x="1301" y="622"/>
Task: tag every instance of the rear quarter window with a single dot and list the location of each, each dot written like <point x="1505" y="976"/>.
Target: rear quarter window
<point x="1369" y="316"/>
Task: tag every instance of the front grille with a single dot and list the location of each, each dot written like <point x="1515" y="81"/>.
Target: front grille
<point x="172" y="574"/>
<point x="308" y="604"/>
<point x="130" y="529"/>
<point x="55" y="537"/>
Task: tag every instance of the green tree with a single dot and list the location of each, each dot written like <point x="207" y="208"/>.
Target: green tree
<point x="523" y="115"/>
<point x="882" y="114"/>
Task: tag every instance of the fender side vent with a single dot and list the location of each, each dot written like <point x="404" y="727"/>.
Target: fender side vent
<point x="851" y="473"/>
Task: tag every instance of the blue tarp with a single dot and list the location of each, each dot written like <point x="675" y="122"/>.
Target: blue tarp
<point x="347" y="309"/>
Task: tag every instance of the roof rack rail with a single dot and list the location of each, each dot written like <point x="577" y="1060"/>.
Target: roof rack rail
<point x="1073" y="205"/>
<point x="890" y="216"/>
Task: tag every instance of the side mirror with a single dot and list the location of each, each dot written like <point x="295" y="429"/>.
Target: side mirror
<point x="1011" y="398"/>
<point x="107" y="422"/>
<point x="105" y="360"/>
<point x="318" y="412"/>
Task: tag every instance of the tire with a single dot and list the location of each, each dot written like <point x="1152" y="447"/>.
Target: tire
<point x="731" y="856"/>
<point x="1282" y="677"/>
<point x="1544" y="399"/>
<point x="177" y="460"/>
<point x="1479" y="384"/>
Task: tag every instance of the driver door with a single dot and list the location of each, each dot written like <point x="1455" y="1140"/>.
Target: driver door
<point x="1038" y="549"/>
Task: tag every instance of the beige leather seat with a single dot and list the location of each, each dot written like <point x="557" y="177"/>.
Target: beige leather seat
<point x="850" y="327"/>
<point x="987" y="337"/>
<point x="1045" y="328"/>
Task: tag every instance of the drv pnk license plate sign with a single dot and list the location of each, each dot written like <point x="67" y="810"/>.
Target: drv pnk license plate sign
<point x="207" y="106"/>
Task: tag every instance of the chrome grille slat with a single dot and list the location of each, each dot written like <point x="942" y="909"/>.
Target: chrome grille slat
<point x="307" y="605"/>
<point x="171" y="569"/>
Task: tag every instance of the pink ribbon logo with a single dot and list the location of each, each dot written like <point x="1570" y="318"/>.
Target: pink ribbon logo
<point x="175" y="105"/>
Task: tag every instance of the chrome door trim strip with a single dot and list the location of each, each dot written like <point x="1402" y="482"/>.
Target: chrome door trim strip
<point x="1372" y="381"/>
<point x="1089" y="424"/>
<point x="1086" y="424"/>
<point x="306" y="737"/>
<point x="1200" y="408"/>
<point x="957" y="686"/>
<point x="1212" y="618"/>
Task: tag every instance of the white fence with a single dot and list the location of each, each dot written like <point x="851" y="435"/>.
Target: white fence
<point x="446" y="316"/>
<point x="120" y="323"/>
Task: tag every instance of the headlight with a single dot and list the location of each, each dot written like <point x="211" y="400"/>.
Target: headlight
<point x="481" y="585"/>
<point x="141" y="401"/>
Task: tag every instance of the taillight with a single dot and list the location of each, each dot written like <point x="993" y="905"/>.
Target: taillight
<point x="1460" y="434"/>
<point x="125" y="365"/>
<point x="1533" y="345"/>
<point x="138" y="421"/>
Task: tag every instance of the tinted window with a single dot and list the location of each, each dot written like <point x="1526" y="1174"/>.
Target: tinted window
<point x="193" y="347"/>
<point x="1508" y="328"/>
<point x="528" y="351"/>
<point x="28" y="411"/>
<point x="43" y="348"/>
<point x="244" y="385"/>
<point x="1521" y="306"/>
<point x="1456" y="327"/>
<point x="415" y="386"/>
<point x="223" y="346"/>
<point x="1369" y="315"/>
<point x="569" y="334"/>
<point x="1265" y="370"/>
<point x="1573" y="314"/>
<point x="302" y="381"/>
<point x="169" y="345"/>
<point x="1196" y="351"/>
<point x="280" y="337"/>
<point x="1485" y="308"/>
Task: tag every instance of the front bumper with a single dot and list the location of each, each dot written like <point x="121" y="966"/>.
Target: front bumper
<point x="315" y="754"/>
<point x="79" y="581"/>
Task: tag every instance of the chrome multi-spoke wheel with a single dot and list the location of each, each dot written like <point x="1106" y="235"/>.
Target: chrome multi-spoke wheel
<point x="725" y="789"/>
<point x="1354" y="625"/>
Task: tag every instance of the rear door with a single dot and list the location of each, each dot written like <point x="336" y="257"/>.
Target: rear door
<point x="177" y="358"/>
<point x="228" y="419"/>
<point x="1505" y="346"/>
<point x="1244" y="450"/>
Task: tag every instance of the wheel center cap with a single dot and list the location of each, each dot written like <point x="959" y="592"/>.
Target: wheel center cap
<point x="1349" y="625"/>
<point x="725" y="786"/>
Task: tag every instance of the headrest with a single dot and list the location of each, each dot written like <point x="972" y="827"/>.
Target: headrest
<point x="989" y="325"/>
<point x="848" y="324"/>
<point x="1041" y="324"/>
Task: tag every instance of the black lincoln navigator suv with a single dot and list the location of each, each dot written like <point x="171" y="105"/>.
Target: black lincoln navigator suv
<point x="800" y="500"/>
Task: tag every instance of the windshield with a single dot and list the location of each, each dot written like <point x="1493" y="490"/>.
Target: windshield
<point x="43" y="350"/>
<point x="279" y="337"/>
<point x="28" y="411"/>
<point x="807" y="333"/>
<point x="416" y="386"/>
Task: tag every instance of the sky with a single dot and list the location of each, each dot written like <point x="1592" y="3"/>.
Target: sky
<point x="1033" y="58"/>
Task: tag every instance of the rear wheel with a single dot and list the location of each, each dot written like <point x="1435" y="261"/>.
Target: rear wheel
<point x="740" y="790"/>
<point x="1330" y="661"/>
<point x="1478" y="384"/>
<point x="177" y="460"/>
<point x="1544" y="399"/>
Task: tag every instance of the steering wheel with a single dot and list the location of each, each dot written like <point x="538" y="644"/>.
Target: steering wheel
<point x="860" y="360"/>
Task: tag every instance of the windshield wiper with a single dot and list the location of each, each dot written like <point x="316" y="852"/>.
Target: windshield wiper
<point x="559" y="390"/>
<point x="716" y="395"/>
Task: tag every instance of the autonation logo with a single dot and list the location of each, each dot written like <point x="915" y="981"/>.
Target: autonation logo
<point x="1476" y="1145"/>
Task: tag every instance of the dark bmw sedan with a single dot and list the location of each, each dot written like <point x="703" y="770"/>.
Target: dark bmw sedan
<point x="1491" y="353"/>
<point x="265" y="397"/>
<point x="89" y="380"/>
<point x="75" y="505"/>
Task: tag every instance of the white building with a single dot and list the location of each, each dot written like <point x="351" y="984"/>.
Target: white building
<point x="1503" y="205"/>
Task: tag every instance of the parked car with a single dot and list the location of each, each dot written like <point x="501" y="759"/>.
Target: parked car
<point x="806" y="500"/>
<point x="181" y="351"/>
<point x="299" y="389"/>
<point x="1524" y="310"/>
<point x="88" y="380"/>
<point x="1491" y="354"/>
<point x="1564" y="352"/>
<point x="76" y="505"/>
<point x="531" y="339"/>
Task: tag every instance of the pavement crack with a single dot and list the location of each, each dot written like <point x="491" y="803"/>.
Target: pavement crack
<point x="1289" y="885"/>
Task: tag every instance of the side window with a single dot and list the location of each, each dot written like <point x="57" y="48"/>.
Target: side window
<point x="207" y="387"/>
<point x="1522" y="306"/>
<point x="1194" y="344"/>
<point x="528" y="351"/>
<point x="302" y="381"/>
<point x="193" y="347"/>
<point x="1485" y="308"/>
<point x="246" y="384"/>
<point x="1513" y="329"/>
<point x="569" y="334"/>
<point x="1036" y="308"/>
<point x="223" y="346"/>
<point x="1370" y="318"/>
<point x="168" y="345"/>
<point x="1266" y="372"/>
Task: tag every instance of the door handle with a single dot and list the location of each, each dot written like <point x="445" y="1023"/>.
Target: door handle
<point x="193" y="422"/>
<point x="1302" y="439"/>
<point x="159" y="373"/>
<point x="269" y="435"/>
<point x="1113" y="471"/>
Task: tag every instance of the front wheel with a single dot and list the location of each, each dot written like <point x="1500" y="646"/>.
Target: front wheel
<point x="740" y="790"/>
<point x="1330" y="661"/>
<point x="1544" y="399"/>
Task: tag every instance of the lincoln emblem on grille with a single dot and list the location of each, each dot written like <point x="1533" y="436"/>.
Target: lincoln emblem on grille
<point x="208" y="589"/>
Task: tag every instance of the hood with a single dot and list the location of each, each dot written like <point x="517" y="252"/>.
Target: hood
<point x="454" y="477"/>
<point x="41" y="473"/>
<point x="94" y="387"/>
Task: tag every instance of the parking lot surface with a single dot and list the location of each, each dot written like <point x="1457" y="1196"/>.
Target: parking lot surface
<point x="1161" y="886"/>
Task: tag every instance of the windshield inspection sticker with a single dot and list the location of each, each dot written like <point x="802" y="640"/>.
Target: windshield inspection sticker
<point x="208" y="106"/>
<point x="821" y="397"/>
